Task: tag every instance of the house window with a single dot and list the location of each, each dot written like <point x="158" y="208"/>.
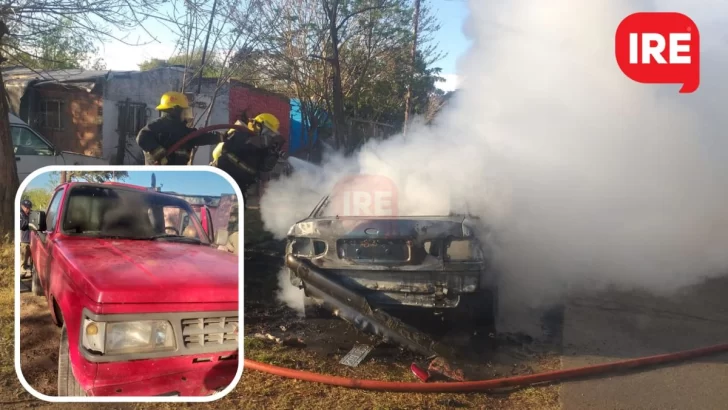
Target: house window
<point x="132" y="117"/>
<point x="51" y="114"/>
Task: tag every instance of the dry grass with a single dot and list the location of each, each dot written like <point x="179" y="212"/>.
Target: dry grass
<point x="270" y="392"/>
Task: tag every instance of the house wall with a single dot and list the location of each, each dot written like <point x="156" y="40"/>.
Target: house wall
<point x="147" y="87"/>
<point x="80" y="111"/>
<point x="256" y="101"/>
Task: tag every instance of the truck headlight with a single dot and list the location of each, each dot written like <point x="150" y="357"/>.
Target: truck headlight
<point x="143" y="336"/>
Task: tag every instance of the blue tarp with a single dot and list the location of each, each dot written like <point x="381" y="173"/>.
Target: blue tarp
<point x="297" y="138"/>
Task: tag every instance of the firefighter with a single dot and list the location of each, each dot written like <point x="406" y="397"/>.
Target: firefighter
<point x="25" y="207"/>
<point x="246" y="155"/>
<point x="173" y="124"/>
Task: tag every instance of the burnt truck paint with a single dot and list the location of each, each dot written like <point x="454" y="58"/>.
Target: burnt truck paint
<point x="363" y="266"/>
<point x="193" y="286"/>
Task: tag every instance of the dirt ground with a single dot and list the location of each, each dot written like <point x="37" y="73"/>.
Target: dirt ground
<point x="38" y="343"/>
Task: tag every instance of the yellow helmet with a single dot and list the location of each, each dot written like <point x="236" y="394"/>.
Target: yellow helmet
<point x="173" y="99"/>
<point x="217" y="152"/>
<point x="269" y="120"/>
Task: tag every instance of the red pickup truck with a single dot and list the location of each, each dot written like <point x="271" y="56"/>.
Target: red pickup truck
<point x="147" y="305"/>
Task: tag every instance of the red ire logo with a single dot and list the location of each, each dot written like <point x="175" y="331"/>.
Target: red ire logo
<point x="659" y="48"/>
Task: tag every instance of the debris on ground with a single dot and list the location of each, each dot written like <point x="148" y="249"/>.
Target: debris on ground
<point x="447" y="369"/>
<point x="289" y="341"/>
<point x="419" y="372"/>
<point x="356" y="355"/>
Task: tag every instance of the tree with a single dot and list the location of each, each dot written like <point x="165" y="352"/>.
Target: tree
<point x="40" y="197"/>
<point x="383" y="99"/>
<point x="22" y="28"/>
<point x="213" y="43"/>
<point x="339" y="16"/>
<point x="212" y="66"/>
<point x="99" y="177"/>
<point x="373" y="59"/>
<point x="415" y="33"/>
<point x="54" y="49"/>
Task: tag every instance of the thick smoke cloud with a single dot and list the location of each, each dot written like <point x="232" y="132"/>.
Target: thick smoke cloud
<point x="587" y="178"/>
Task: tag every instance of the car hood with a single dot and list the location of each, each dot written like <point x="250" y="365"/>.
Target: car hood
<point x="422" y="228"/>
<point x="143" y="271"/>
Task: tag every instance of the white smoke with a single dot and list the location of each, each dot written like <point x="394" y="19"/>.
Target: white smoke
<point x="588" y="178"/>
<point x="289" y="294"/>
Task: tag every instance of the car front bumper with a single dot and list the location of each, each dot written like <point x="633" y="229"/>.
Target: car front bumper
<point x="201" y="379"/>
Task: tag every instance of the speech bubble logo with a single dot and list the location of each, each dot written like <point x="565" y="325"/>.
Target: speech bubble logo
<point x="364" y="195"/>
<point x="659" y="48"/>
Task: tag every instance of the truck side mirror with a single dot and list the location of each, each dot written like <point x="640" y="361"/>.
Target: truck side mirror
<point x="206" y="219"/>
<point x="37" y="221"/>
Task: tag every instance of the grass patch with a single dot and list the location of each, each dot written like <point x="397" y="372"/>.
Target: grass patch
<point x="271" y="392"/>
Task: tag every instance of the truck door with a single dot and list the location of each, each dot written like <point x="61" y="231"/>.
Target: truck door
<point x="206" y="220"/>
<point x="42" y="246"/>
<point x="32" y="151"/>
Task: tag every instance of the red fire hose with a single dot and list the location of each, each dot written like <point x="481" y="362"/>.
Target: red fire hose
<point x="205" y="130"/>
<point x="453" y="387"/>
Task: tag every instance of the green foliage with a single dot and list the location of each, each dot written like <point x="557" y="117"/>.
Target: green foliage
<point x="213" y="67"/>
<point x="40" y="197"/>
<point x="88" y="176"/>
<point x="54" y="49"/>
<point x="375" y="53"/>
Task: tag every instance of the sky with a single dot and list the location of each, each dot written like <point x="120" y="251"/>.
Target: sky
<point x="450" y="37"/>
<point x="183" y="182"/>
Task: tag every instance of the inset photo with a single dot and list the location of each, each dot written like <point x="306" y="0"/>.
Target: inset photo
<point x="128" y="282"/>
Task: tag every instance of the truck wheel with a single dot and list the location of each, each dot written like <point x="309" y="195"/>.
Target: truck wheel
<point x="35" y="283"/>
<point x="67" y="383"/>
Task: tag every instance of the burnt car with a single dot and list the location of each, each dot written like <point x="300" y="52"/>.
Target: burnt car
<point x="367" y="269"/>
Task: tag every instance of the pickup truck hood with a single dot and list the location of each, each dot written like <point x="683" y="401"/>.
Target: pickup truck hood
<point x="143" y="271"/>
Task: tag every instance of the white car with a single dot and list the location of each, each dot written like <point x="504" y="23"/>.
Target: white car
<point x="32" y="151"/>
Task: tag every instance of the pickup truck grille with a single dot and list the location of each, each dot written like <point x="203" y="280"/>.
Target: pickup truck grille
<point x="220" y="331"/>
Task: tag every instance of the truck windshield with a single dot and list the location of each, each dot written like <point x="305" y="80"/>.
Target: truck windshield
<point x="129" y="214"/>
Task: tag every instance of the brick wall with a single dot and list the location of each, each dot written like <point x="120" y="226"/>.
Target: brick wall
<point x="255" y="101"/>
<point x="80" y="118"/>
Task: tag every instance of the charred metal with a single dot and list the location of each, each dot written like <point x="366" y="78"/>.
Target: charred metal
<point x="361" y="268"/>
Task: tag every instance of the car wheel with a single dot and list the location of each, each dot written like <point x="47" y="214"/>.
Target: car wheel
<point x="67" y="383"/>
<point x="35" y="283"/>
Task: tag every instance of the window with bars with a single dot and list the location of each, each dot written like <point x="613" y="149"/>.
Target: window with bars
<point x="132" y="117"/>
<point x="50" y="114"/>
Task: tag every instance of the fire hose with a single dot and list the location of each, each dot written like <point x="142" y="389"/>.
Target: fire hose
<point x="482" y="385"/>
<point x="203" y="131"/>
<point x="232" y="162"/>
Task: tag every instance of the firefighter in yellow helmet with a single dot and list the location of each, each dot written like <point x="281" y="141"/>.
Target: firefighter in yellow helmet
<point x="264" y="133"/>
<point x="246" y="155"/>
<point x="159" y="135"/>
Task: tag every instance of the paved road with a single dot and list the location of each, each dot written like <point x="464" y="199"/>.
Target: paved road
<point x="620" y="326"/>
